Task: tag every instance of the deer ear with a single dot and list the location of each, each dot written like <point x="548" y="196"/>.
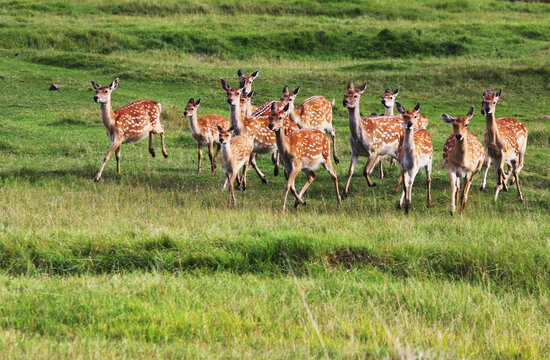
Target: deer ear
<point x="94" y="85"/>
<point x="488" y="93"/>
<point x="231" y="128"/>
<point x="241" y="85"/>
<point x="250" y="94"/>
<point x="470" y="113"/>
<point x="240" y="72"/>
<point x="285" y="109"/>
<point x="273" y="106"/>
<point x="417" y="106"/>
<point x="399" y="107"/>
<point x="388" y="91"/>
<point x="447" y="118"/>
<point x="192" y="101"/>
<point x="198" y="103"/>
<point x="499" y="93"/>
<point x="296" y="91"/>
<point x="114" y="84"/>
<point x="396" y="92"/>
<point x="351" y="86"/>
<point x="255" y="73"/>
<point x="219" y="128"/>
<point x="224" y="85"/>
<point x="286" y="90"/>
<point x="363" y="88"/>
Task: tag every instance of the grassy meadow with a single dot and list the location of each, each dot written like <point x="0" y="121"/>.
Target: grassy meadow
<point x="151" y="264"/>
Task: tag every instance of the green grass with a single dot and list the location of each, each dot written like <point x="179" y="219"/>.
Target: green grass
<point x="152" y="264"/>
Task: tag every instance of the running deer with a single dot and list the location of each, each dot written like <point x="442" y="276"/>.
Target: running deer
<point x="256" y="128"/>
<point x="463" y="157"/>
<point x="235" y="154"/>
<point x="247" y="80"/>
<point x="313" y="113"/>
<point x="370" y="136"/>
<point x="204" y="131"/>
<point x="415" y="152"/>
<point x="505" y="141"/>
<point x="300" y="150"/>
<point x="131" y="123"/>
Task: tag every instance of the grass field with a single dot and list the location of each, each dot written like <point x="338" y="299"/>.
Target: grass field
<point x="152" y="264"/>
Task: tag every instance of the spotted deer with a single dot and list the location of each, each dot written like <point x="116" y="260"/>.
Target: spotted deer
<point x="247" y="80"/>
<point x="131" y="123"/>
<point x="388" y="101"/>
<point x="415" y="152"/>
<point x="204" y="131"/>
<point x="463" y="158"/>
<point x="256" y="128"/>
<point x="300" y="150"/>
<point x="505" y="142"/>
<point x="246" y="105"/>
<point x="313" y="113"/>
<point x="235" y="154"/>
<point x="371" y="136"/>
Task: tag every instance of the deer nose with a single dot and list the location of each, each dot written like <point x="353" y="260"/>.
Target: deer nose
<point x="95" y="98"/>
<point x="458" y="137"/>
<point x="229" y="101"/>
<point x="482" y="111"/>
<point x="409" y="124"/>
<point x="345" y="102"/>
<point x="270" y="126"/>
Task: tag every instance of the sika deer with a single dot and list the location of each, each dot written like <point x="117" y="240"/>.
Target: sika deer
<point x="505" y="140"/>
<point x="300" y="150"/>
<point x="204" y="131"/>
<point x="131" y="123"/>
<point x="235" y="154"/>
<point x="313" y="113"/>
<point x="463" y="157"/>
<point x="415" y="152"/>
<point x="247" y="80"/>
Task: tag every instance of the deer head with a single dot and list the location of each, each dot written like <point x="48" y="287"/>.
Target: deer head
<point x="410" y="117"/>
<point x="460" y="124"/>
<point x="489" y="101"/>
<point x="103" y="93"/>
<point x="388" y="99"/>
<point x="247" y="80"/>
<point x="352" y="97"/>
<point x="233" y="94"/>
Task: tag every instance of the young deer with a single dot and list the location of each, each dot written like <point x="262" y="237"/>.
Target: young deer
<point x="256" y="128"/>
<point x="370" y="137"/>
<point x="204" y="131"/>
<point x="415" y="152"/>
<point x="235" y="154"/>
<point x="247" y="80"/>
<point x="505" y="141"/>
<point x="131" y="123"/>
<point x="313" y="113"/>
<point x="300" y="150"/>
<point x="463" y="157"/>
<point x="388" y="101"/>
<point x="246" y="105"/>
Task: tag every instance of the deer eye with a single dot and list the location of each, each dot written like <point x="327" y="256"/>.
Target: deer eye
<point x="466" y="125"/>
<point x="105" y="91"/>
<point x="355" y="96"/>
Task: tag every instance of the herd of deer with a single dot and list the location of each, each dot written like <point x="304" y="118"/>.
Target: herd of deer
<point x="295" y="136"/>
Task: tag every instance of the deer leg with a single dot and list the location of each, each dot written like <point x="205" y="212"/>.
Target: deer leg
<point x="310" y="177"/>
<point x="332" y="172"/>
<point x="115" y="145"/>
<point x="404" y="177"/>
<point x="369" y="167"/>
<point x="253" y="163"/>
<point x="230" y="179"/>
<point x="452" y="180"/>
<point x="516" y="177"/>
<point x="333" y="136"/>
<point x="379" y="160"/>
<point x="428" y="170"/>
<point x="218" y="146"/>
<point x="408" y="198"/>
<point x="117" y="154"/>
<point x="211" y="156"/>
<point x="164" y="153"/>
<point x="352" y="164"/>
<point x="243" y="178"/>
<point x="200" y="158"/>
<point x="275" y="160"/>
<point x="487" y="164"/>
<point x="288" y="185"/>
<point x="500" y="176"/>
<point x="151" y="150"/>
<point x="399" y="179"/>
<point x="231" y="187"/>
<point x="464" y="193"/>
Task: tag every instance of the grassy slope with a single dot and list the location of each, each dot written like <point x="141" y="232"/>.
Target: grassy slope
<point x="475" y="286"/>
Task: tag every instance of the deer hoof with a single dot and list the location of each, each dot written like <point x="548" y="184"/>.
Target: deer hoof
<point x="452" y="213"/>
<point x="152" y="152"/>
<point x="165" y="155"/>
<point x="275" y="171"/>
<point x="336" y="160"/>
<point x="344" y="195"/>
<point x="264" y="181"/>
<point x="372" y="184"/>
<point x="482" y="188"/>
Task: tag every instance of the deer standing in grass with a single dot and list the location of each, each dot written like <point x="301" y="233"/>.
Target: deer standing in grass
<point x="388" y="101"/>
<point x="505" y="141"/>
<point x="300" y="150"/>
<point x="313" y="113"/>
<point x="131" y="123"/>
<point x="415" y="152"/>
<point x="463" y="157"/>
<point x="204" y="131"/>
<point x="371" y="136"/>
<point x="256" y="128"/>
<point x="235" y="154"/>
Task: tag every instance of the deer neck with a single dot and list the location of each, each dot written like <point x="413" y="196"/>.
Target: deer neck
<point x="460" y="153"/>
<point x="282" y="141"/>
<point x="355" y="123"/>
<point x="388" y="111"/>
<point x="227" y="154"/>
<point x="236" y="119"/>
<point x="193" y="123"/>
<point x="295" y="117"/>
<point x="491" y="126"/>
<point x="408" y="143"/>
<point x="107" y="114"/>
